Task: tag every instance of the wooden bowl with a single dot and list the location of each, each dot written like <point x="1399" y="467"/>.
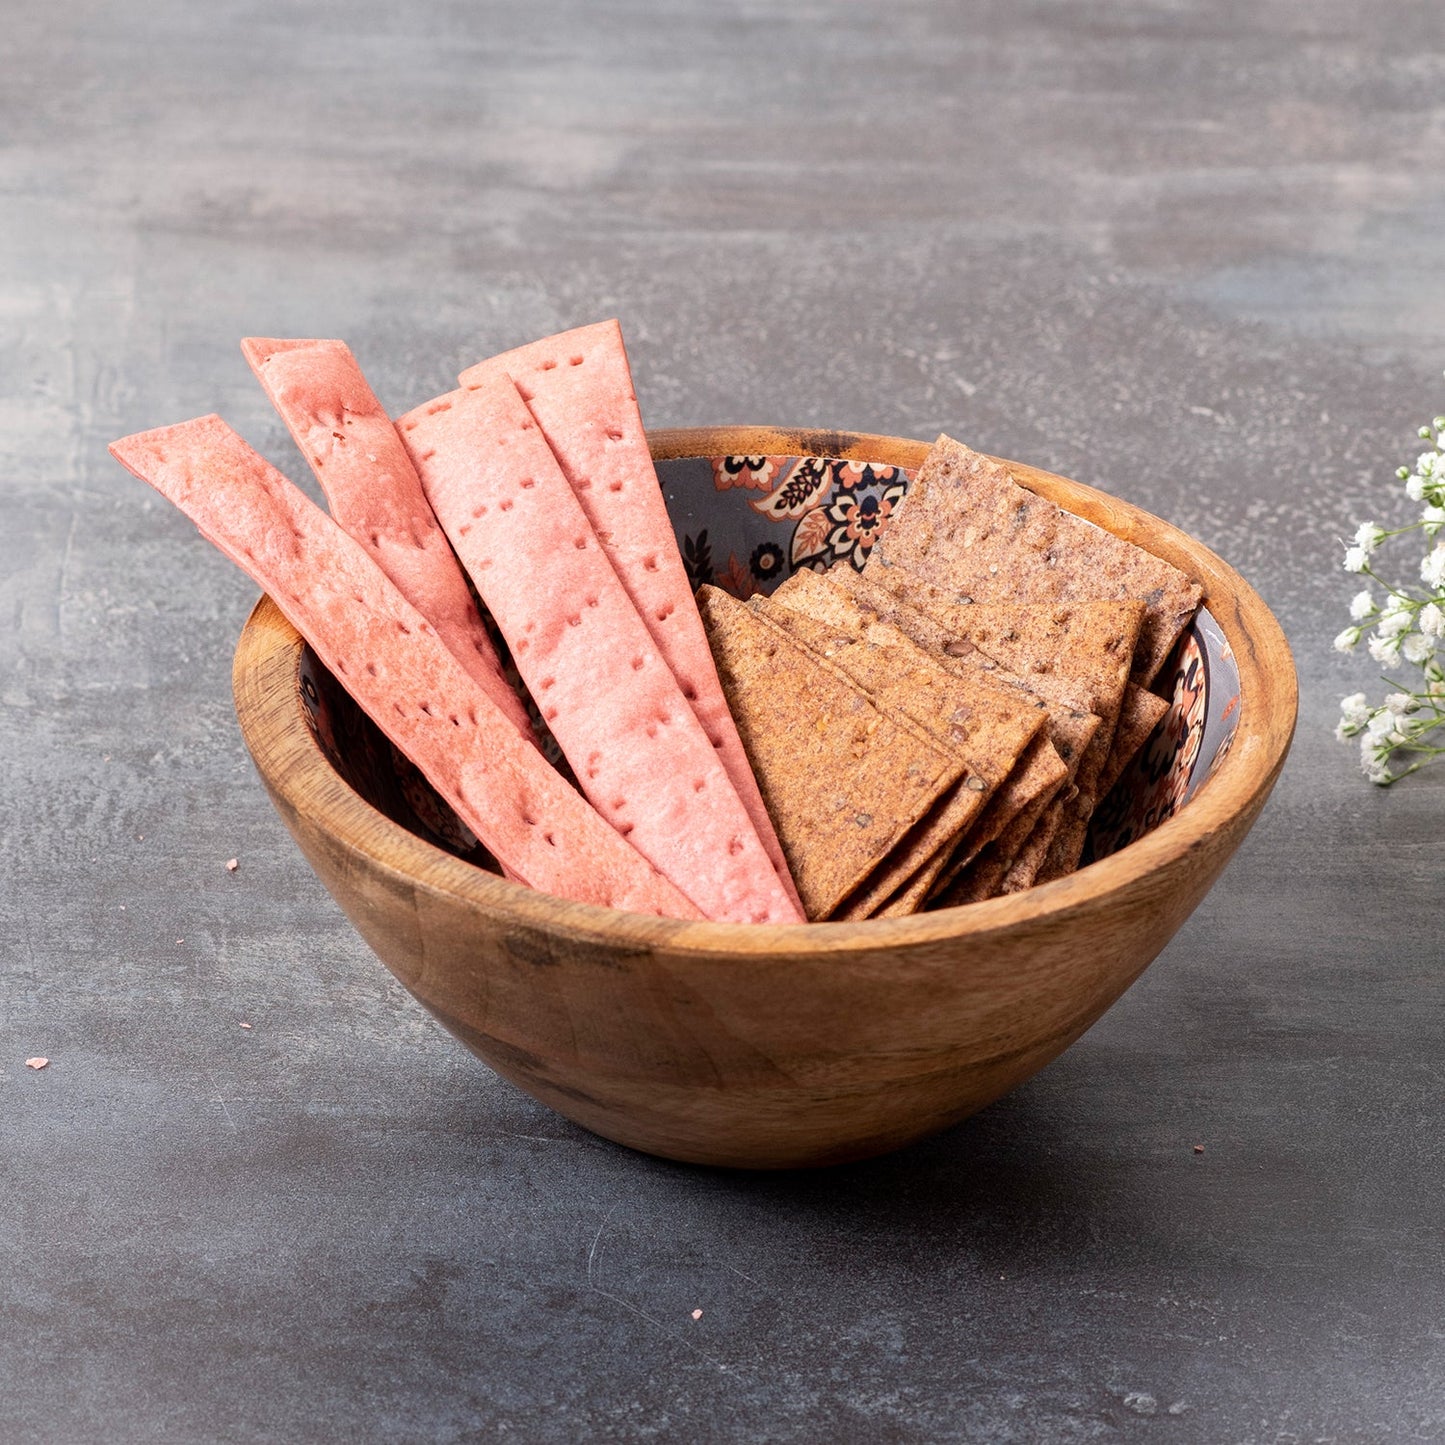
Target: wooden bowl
<point x="769" y="1046"/>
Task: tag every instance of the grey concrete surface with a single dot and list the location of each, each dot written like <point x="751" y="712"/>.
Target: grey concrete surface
<point x="1189" y="252"/>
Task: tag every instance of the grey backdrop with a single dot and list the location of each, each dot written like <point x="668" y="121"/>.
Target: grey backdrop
<point x="1188" y="252"/>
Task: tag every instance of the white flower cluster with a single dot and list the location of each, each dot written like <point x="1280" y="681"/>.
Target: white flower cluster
<point x="1406" y="624"/>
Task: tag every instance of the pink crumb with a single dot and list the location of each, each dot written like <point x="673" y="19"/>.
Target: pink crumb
<point x="232" y="864"/>
<point x="1199" y="1148"/>
<point x="37" y="1063"/>
<point x="697" y="1314"/>
<point x="245" y="1026"/>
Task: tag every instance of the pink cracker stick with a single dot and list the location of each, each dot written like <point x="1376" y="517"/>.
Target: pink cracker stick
<point x="373" y="491"/>
<point x="638" y="751"/>
<point x="394" y="664"/>
<point x="579" y="387"/>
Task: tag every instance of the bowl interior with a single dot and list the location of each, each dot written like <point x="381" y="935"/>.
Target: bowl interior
<point x="744" y="524"/>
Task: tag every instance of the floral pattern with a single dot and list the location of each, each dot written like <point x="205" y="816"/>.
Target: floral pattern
<point x="805" y="485"/>
<point x="859" y="517"/>
<point x="750" y="473"/>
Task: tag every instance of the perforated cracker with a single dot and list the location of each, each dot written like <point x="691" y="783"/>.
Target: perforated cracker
<point x="394" y="664"/>
<point x="579" y="387"/>
<point x="319" y="391"/>
<point x="615" y="708"/>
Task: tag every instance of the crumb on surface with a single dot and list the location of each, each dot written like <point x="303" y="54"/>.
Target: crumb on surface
<point x="697" y="1314"/>
<point x="232" y="864"/>
<point x="1199" y="1148"/>
<point x="39" y="1062"/>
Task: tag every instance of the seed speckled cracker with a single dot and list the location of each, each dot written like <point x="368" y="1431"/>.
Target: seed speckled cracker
<point x="1075" y="653"/>
<point x="1086" y="648"/>
<point x="394" y="664"/>
<point x="1045" y="770"/>
<point x="843" y="781"/>
<point x="372" y="489"/>
<point x="926" y="847"/>
<point x="1075" y="732"/>
<point x="982" y="876"/>
<point x="987" y="728"/>
<point x="1071" y="729"/>
<point x="579" y="387"/>
<point x="1140" y="714"/>
<point x="616" y="710"/>
<point x="969" y="527"/>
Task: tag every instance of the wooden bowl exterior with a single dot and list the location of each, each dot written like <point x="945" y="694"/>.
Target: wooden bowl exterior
<point x="767" y="1046"/>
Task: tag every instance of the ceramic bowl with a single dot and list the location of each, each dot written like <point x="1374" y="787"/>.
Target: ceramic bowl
<point x="769" y="1046"/>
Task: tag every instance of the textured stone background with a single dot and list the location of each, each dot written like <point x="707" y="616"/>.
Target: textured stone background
<point x="1189" y="252"/>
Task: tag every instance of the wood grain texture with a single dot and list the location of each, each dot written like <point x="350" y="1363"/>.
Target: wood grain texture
<point x="771" y="1046"/>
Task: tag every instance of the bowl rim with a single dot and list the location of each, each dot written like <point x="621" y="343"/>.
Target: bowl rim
<point x="266" y="671"/>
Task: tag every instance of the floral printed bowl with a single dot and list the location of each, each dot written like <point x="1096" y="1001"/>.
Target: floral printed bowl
<point x="771" y="1046"/>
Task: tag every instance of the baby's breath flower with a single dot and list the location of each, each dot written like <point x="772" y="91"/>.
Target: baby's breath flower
<point x="1368" y="537"/>
<point x="1375" y="761"/>
<point x="1416" y="649"/>
<point x="1406" y="625"/>
<point x="1355" y="710"/>
<point x="1380" y="725"/>
<point x="1385" y="650"/>
<point x="1397" y="617"/>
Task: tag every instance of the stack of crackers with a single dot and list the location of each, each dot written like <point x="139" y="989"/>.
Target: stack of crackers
<point x="531" y="483"/>
<point x="938" y="728"/>
<point x="931" y="731"/>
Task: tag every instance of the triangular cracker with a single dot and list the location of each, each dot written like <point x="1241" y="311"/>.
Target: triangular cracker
<point x="844" y="782"/>
<point x="985" y="729"/>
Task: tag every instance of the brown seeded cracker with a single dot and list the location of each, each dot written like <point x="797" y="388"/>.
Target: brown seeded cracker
<point x="1069" y="689"/>
<point x="1041" y="770"/>
<point x="1086" y="648"/>
<point x="984" y="727"/>
<point x="1071" y="728"/>
<point x="983" y="875"/>
<point x="843" y="782"/>
<point x="1023" y="872"/>
<point x="969" y="527"/>
<point x="1140" y="714"/>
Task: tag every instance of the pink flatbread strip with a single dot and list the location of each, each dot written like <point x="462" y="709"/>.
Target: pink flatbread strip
<point x="616" y="710"/>
<point x="374" y="493"/>
<point x="579" y="387"/>
<point x="394" y="664"/>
